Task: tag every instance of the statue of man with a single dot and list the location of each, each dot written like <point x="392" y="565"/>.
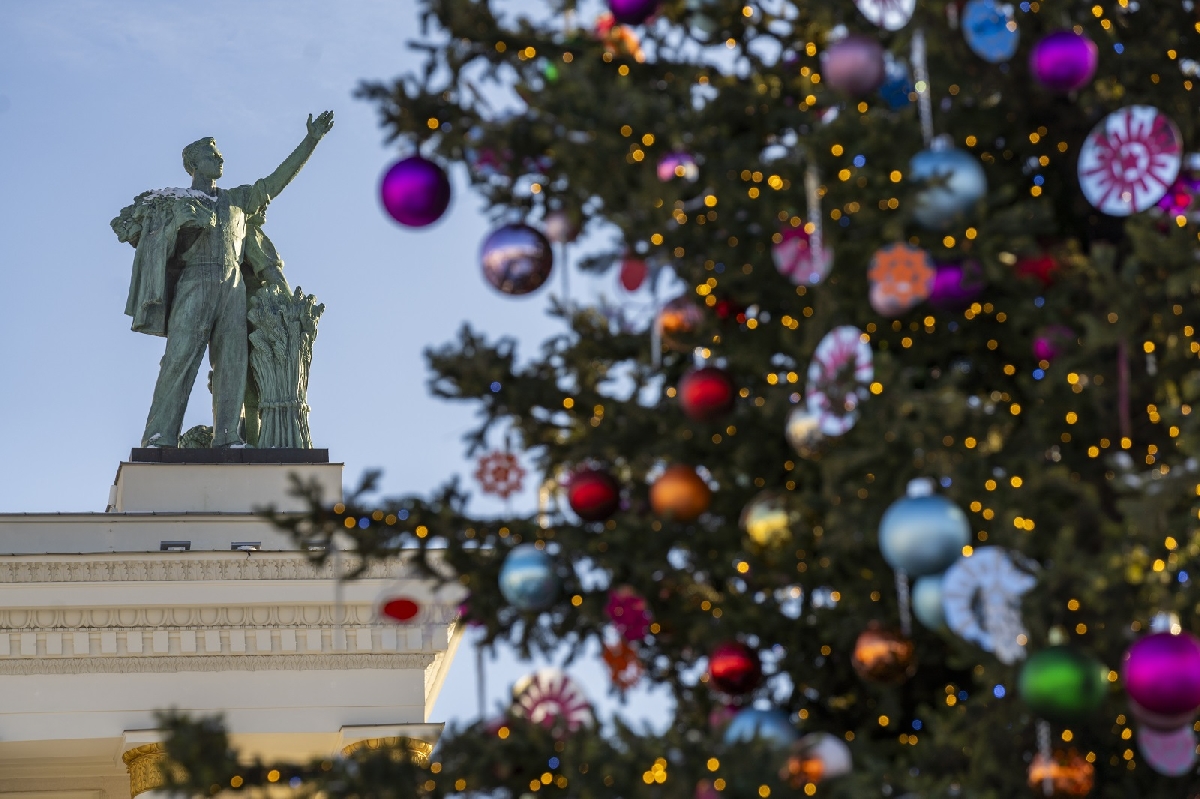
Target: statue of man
<point x="188" y="286"/>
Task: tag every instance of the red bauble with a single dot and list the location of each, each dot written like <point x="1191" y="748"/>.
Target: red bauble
<point x="734" y="669"/>
<point x="706" y="394"/>
<point x="1042" y="267"/>
<point x="633" y="273"/>
<point x="593" y="494"/>
<point x="400" y="608"/>
<point x="727" y="309"/>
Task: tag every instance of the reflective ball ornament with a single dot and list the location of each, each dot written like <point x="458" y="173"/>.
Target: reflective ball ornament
<point x="884" y="656"/>
<point x="677" y="323"/>
<point x="815" y="758"/>
<point x="804" y="430"/>
<point x="527" y="578"/>
<point x="1161" y="673"/>
<point x="923" y="533"/>
<point x="516" y="259"/>
<point x="734" y="669"/>
<point x="770" y="726"/>
<point x="955" y="183"/>
<point x="707" y="394"/>
<point x="593" y="494"/>
<point x="1064" y="61"/>
<point x="1062" y="684"/>
<point x="1171" y="753"/>
<point x="955" y="286"/>
<point x="680" y="494"/>
<point x="854" y="65"/>
<point x="768" y="521"/>
<point x="927" y="602"/>
<point x="561" y="227"/>
<point x="633" y="273"/>
<point x="632" y="12"/>
<point x="1052" y="341"/>
<point x="1064" y="774"/>
<point x="415" y="191"/>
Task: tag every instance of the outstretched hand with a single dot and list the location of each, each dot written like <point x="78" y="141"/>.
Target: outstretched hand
<point x="321" y="125"/>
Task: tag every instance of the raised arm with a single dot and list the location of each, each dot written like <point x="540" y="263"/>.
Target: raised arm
<point x="283" y="174"/>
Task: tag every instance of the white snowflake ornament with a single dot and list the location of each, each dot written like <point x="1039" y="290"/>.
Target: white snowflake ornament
<point x="890" y="15"/>
<point x="1130" y="160"/>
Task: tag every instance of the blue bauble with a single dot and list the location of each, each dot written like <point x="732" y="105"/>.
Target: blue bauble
<point x="923" y="533"/>
<point x="955" y="182"/>
<point x="897" y="84"/>
<point x="771" y="726"/>
<point x="927" y="602"/>
<point x="990" y="32"/>
<point x="527" y="578"/>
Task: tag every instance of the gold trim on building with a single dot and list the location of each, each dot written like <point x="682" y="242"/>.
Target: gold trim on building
<point x="418" y="750"/>
<point x="142" y="763"/>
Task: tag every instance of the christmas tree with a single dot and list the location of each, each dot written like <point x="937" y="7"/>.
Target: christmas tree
<point x="935" y="359"/>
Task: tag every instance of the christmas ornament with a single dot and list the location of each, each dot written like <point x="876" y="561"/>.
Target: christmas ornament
<point x="982" y="599"/>
<point x="400" y="609"/>
<point x="842" y="367"/>
<point x="796" y="259"/>
<point x="1064" y="61"/>
<point x="923" y="533"/>
<point x="900" y="276"/>
<point x="678" y="165"/>
<point x="707" y="394"/>
<point x="516" y="259"/>
<point x="1062" y="774"/>
<point x="897" y="83"/>
<point x="527" y="578"/>
<point x="890" y="15"/>
<point x="415" y="191"/>
<point x="561" y="227"/>
<point x="884" y="656"/>
<point x="927" y="602"/>
<point x="727" y="309"/>
<point x="624" y="668"/>
<point x="768" y="521"/>
<point x="551" y="698"/>
<point x="633" y="273"/>
<point x="619" y="40"/>
<point x="1161" y="673"/>
<point x="1180" y="200"/>
<point x="1130" y="160"/>
<point x="680" y="494"/>
<point x="955" y="286"/>
<point x="1062" y="685"/>
<point x="627" y="611"/>
<point x="734" y="669"/>
<point x="990" y="30"/>
<point x="1170" y="753"/>
<point x="677" y="321"/>
<point x="593" y="494"/>
<point x="816" y="757"/>
<point x="1052" y="341"/>
<point x="854" y="65"/>
<point x="632" y="12"/>
<point x="954" y="182"/>
<point x="500" y="473"/>
<point x="770" y="726"/>
<point x="1041" y="267"/>
<point x="804" y="430"/>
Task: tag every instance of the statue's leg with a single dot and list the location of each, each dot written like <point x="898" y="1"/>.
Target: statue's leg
<point x="188" y="331"/>
<point x="230" y="356"/>
<point x="252" y="422"/>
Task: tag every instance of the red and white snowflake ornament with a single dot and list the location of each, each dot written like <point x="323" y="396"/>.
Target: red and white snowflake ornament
<point x="841" y="368"/>
<point x="551" y="698"/>
<point x="1130" y="160"/>
<point x="890" y="15"/>
<point x="500" y="473"/>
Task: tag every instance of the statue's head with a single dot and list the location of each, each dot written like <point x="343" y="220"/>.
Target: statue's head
<point x="202" y="159"/>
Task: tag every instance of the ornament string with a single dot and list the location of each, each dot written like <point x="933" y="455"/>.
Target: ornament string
<point x="656" y="323"/>
<point x="1043" y="738"/>
<point x="904" y="602"/>
<point x="480" y="687"/>
<point x="812" y="188"/>
<point x="921" y="85"/>
<point x="566" y="280"/>
<point x="1123" y="389"/>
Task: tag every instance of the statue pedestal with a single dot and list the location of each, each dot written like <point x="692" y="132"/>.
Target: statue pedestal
<point x="180" y="596"/>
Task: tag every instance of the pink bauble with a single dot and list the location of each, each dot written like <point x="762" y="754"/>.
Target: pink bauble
<point x="854" y="65"/>
<point x="1162" y="673"/>
<point x="1052" y="342"/>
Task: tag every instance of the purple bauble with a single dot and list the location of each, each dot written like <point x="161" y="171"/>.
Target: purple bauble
<point x="1052" y="342"/>
<point x="854" y="65"/>
<point x="1162" y="673"/>
<point x="516" y="259"/>
<point x="1064" y="61"/>
<point x="955" y="285"/>
<point x="632" y="12"/>
<point x="415" y="191"/>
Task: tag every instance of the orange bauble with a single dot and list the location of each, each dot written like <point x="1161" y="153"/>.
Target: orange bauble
<point x="680" y="494"/>
<point x="1065" y="774"/>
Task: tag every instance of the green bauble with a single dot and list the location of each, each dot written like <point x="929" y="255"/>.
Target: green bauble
<point x="1062" y="684"/>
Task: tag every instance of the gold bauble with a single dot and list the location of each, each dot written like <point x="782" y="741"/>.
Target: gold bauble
<point x="884" y="655"/>
<point x="768" y="521"/>
<point x="804" y="431"/>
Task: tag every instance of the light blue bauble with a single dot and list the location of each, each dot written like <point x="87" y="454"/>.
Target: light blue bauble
<point x="771" y="726"/>
<point x="927" y="602"/>
<point x="923" y="533"/>
<point x="527" y="578"/>
<point x="956" y="182"/>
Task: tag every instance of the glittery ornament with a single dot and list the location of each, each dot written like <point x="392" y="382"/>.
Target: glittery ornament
<point x="516" y="259"/>
<point x="1161" y="673"/>
<point x="632" y="12"/>
<point x="1064" y="773"/>
<point x="415" y="191"/>
<point x="626" y="609"/>
<point x="841" y="369"/>
<point x="1062" y="684"/>
<point x="804" y="430"/>
<point x="678" y="165"/>
<point x="768" y="521"/>
<point x="527" y="579"/>
<point x="734" y="669"/>
<point x="1064" y="61"/>
<point x="981" y="595"/>
<point x="500" y="474"/>
<point x="551" y="698"/>
<point x="901" y="276"/>
<point x="954" y="182"/>
<point x="884" y="656"/>
<point x="593" y="494"/>
<point x="890" y="15"/>
<point x="1171" y="753"/>
<point x="680" y="494"/>
<point x="990" y="30"/>
<point x="707" y="394"/>
<point x="770" y="726"/>
<point x="854" y="65"/>
<point x="796" y="259"/>
<point x="1130" y="160"/>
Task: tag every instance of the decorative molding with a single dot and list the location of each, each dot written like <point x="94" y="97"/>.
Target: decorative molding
<point x="144" y="764"/>
<point x="209" y="663"/>
<point x="158" y="617"/>
<point x="153" y="568"/>
<point x="418" y="751"/>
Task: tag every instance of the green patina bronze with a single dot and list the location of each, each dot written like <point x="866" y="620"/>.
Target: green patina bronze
<point x="199" y="252"/>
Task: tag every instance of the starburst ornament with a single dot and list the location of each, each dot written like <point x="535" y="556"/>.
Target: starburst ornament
<point x="1130" y="160"/>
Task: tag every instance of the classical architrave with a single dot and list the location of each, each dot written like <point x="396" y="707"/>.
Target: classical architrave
<point x="219" y="663"/>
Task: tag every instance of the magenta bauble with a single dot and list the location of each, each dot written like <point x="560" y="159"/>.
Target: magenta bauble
<point x="1052" y="341"/>
<point x="632" y="12"/>
<point x="415" y="191"/>
<point x="1064" y="61"/>
<point x="854" y="65"/>
<point x="593" y="494"/>
<point x="1162" y="673"/>
<point x="706" y="394"/>
<point x="956" y="285"/>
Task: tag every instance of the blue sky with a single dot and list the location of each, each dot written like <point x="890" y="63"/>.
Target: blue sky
<point x="96" y="101"/>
